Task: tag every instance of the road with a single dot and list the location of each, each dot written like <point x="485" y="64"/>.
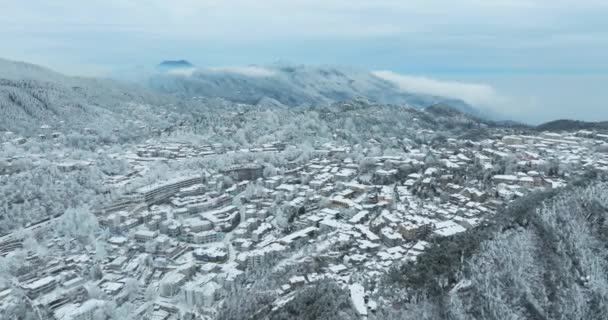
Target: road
<point x="231" y="251"/>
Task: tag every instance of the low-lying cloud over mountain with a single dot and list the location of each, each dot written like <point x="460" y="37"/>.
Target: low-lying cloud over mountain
<point x="249" y="71"/>
<point x="475" y="94"/>
<point x="296" y="85"/>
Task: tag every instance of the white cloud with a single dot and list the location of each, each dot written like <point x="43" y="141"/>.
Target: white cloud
<point x="182" y="71"/>
<point x="476" y="94"/>
<point x="244" y="19"/>
<point x="250" y="71"/>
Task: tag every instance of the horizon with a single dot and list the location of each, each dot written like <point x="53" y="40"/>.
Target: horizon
<point x="531" y="61"/>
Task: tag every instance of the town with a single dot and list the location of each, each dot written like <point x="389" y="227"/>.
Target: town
<point x="175" y="248"/>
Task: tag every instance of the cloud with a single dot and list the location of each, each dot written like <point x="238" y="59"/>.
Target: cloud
<point x="247" y="19"/>
<point x="250" y="71"/>
<point x="182" y="71"/>
<point x="476" y="94"/>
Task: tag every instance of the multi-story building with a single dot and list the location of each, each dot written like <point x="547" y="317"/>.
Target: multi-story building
<point x="39" y="286"/>
<point x="207" y="237"/>
<point x="163" y="191"/>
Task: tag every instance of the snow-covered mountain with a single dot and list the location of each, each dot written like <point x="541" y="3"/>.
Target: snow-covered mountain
<point x="292" y="86"/>
<point x="169" y="65"/>
<point x="32" y="96"/>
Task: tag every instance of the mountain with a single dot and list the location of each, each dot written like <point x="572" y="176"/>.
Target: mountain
<point x="174" y="64"/>
<point x="572" y="125"/>
<point x="32" y="97"/>
<point x="293" y="86"/>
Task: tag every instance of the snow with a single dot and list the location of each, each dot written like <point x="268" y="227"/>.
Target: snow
<point x="448" y="228"/>
<point x="357" y="296"/>
<point x="40" y="283"/>
<point x="367" y="233"/>
<point x="337" y="268"/>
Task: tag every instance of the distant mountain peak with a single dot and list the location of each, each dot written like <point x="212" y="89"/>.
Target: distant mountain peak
<point x="174" y="64"/>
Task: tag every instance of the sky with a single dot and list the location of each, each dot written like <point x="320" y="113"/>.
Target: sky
<point x="531" y="60"/>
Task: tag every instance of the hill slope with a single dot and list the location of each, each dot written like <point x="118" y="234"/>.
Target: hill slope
<point x="32" y="96"/>
<point x="544" y="257"/>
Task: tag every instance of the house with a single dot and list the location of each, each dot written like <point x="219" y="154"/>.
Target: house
<point x="390" y="237"/>
<point x="211" y="254"/>
<point x="413" y="231"/>
<point x="85" y="311"/>
<point x="512" y="140"/>
<point x="367" y="233"/>
<point x="299" y="235"/>
<point x="39" y="286"/>
<point x="144" y="235"/>
<point x="200" y="294"/>
<point x="171" y="283"/>
<point x="448" y="228"/>
<point x="502" y="178"/>
<point x="249" y="172"/>
<point x="205" y="237"/>
<point x="382" y="176"/>
<point x="474" y="194"/>
<point x="359" y="217"/>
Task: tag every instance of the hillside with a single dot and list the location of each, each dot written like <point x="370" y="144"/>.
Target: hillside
<point x="32" y="96"/>
<point x="544" y="257"/>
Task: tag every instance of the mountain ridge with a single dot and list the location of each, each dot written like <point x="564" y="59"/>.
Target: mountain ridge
<point x="571" y="125"/>
<point x="294" y="85"/>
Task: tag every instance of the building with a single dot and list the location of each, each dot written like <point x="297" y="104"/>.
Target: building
<point x="298" y="236"/>
<point x="171" y="283"/>
<point x="162" y="191"/>
<point x="39" y="286"/>
<point x="255" y="258"/>
<point x="211" y="254"/>
<point x="249" y="172"/>
<point x="390" y="237"/>
<point x="447" y="228"/>
<point x="411" y="231"/>
<point x="200" y="295"/>
<point x="207" y="237"/>
<point x="144" y="235"/>
<point x="512" y="140"/>
<point x="85" y="311"/>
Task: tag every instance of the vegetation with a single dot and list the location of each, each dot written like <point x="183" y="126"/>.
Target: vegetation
<point x="324" y="300"/>
<point x="545" y="257"/>
<point x="572" y="125"/>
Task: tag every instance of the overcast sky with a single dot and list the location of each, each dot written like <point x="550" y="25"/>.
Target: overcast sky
<point x="530" y="59"/>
